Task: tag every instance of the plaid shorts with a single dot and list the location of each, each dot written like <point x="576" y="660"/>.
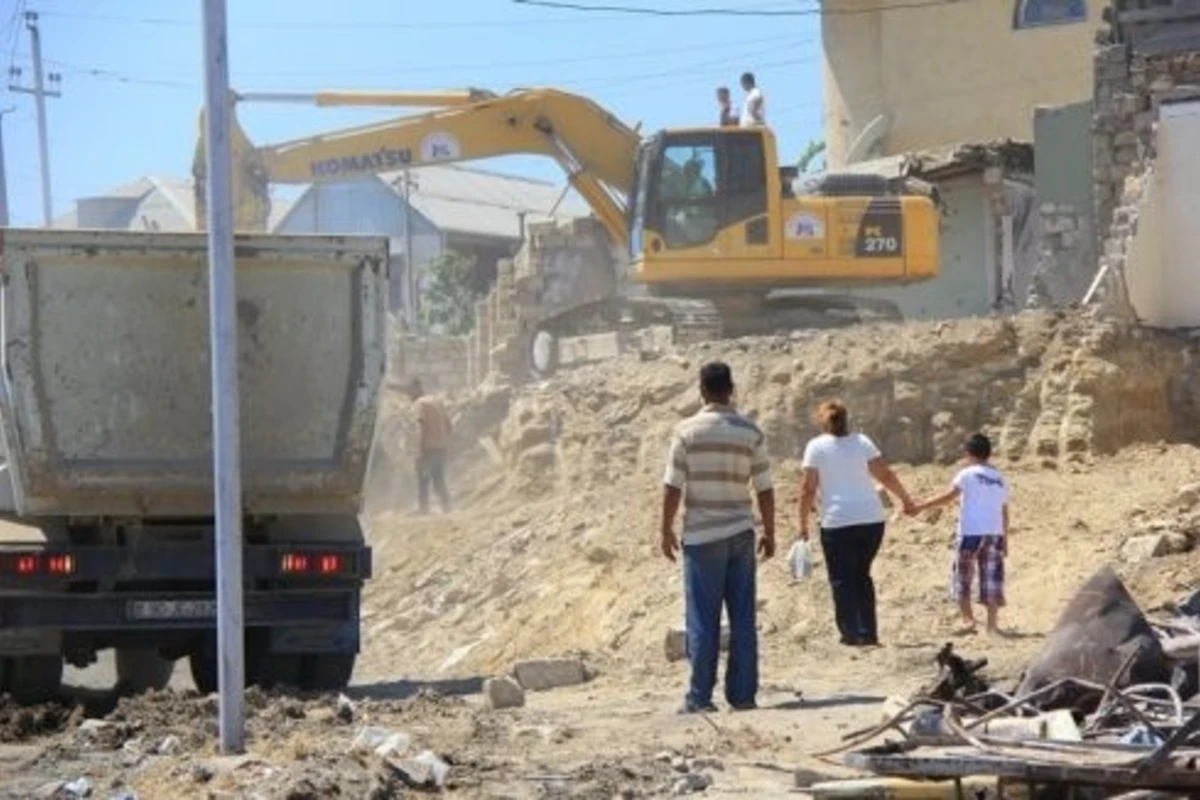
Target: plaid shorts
<point x="982" y="554"/>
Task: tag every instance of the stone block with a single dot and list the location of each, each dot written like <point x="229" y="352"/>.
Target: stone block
<point x="675" y="643"/>
<point x="550" y="673"/>
<point x="503" y="692"/>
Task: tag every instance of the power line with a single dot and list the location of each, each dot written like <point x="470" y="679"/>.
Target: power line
<point x="565" y="5"/>
<point x="328" y="25"/>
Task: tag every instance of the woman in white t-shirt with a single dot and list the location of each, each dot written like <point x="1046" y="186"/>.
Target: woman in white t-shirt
<point x="844" y="467"/>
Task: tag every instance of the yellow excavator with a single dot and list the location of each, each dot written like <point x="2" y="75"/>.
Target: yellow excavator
<point x="712" y="225"/>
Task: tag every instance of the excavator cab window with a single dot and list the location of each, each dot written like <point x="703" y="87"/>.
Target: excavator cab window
<point x="693" y="185"/>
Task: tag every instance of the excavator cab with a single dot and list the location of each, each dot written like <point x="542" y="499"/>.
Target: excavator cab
<point x="710" y="210"/>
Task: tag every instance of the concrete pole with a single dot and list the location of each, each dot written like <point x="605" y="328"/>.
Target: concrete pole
<point x="39" y="94"/>
<point x="222" y="293"/>
<point x="3" y="174"/>
<point x="410" y="268"/>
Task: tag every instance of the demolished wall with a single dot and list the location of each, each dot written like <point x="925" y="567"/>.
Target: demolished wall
<point x="1136" y="70"/>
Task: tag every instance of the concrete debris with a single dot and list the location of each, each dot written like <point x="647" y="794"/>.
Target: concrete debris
<point x="675" y="643"/>
<point x="80" y="787"/>
<point x="1188" y="497"/>
<point x="168" y="746"/>
<point x="550" y="673"/>
<point x="368" y="739"/>
<point x="425" y="771"/>
<point x="345" y="709"/>
<point x="1155" y="545"/>
<point x="503" y="692"/>
<point x="396" y="744"/>
<point x="691" y="783"/>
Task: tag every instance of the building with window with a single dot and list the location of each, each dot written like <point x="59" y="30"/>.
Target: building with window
<point x="901" y="77"/>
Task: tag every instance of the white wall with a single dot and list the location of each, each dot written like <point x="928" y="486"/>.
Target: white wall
<point x="1162" y="273"/>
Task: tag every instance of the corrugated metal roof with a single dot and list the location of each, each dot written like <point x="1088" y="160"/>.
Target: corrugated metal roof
<point x="471" y="200"/>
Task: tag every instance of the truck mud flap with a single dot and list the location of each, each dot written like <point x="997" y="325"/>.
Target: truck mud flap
<point x="174" y="611"/>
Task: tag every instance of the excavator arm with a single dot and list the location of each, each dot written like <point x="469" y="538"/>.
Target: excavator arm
<point x="595" y="149"/>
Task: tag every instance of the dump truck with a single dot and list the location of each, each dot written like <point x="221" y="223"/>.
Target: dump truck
<point x="106" y="520"/>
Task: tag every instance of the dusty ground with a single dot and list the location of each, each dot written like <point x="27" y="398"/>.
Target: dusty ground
<point x="552" y="553"/>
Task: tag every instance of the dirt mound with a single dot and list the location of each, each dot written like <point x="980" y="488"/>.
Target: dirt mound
<point x="19" y="723"/>
<point x="555" y="551"/>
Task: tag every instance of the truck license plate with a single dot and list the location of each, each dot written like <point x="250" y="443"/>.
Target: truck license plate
<point x="171" y="609"/>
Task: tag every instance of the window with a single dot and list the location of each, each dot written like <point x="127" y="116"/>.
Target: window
<point x="688" y="203"/>
<point x="745" y="174"/>
<point x="1036" y="13"/>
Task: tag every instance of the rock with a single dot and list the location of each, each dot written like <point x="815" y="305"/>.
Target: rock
<point x="91" y="726"/>
<point x="664" y="757"/>
<point x="679" y="764"/>
<point x="169" y="746"/>
<point x="1147" y="546"/>
<point x="692" y="782"/>
<point x="803" y="777"/>
<point x="49" y="790"/>
<point x="550" y="673"/>
<point x="80" y="787"/>
<point x="503" y="692"/>
<point x="396" y="744"/>
<point x="675" y="643"/>
<point x="1187" y="497"/>
<point x="203" y="773"/>
<point x="706" y="762"/>
<point x="426" y="771"/>
<point x="368" y="739"/>
<point x="124" y="795"/>
<point x="345" y="708"/>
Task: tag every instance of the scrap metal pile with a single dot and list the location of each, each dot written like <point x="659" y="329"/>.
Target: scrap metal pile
<point x="1110" y="704"/>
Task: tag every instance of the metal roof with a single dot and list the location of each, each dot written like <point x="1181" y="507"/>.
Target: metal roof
<point x="470" y="200"/>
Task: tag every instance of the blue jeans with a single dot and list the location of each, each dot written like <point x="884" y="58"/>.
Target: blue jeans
<point x="721" y="572"/>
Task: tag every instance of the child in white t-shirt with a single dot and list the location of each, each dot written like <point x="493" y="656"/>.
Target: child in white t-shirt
<point x="982" y="540"/>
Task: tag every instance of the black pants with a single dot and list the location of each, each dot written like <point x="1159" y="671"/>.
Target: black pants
<point x="849" y="552"/>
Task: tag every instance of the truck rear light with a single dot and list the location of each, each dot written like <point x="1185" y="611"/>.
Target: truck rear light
<point x="295" y="562"/>
<point x="60" y="565"/>
<point x="29" y="564"/>
<point x="312" y="563"/>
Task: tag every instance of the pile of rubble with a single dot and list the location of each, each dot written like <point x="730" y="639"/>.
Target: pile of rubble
<point x="1112" y="702"/>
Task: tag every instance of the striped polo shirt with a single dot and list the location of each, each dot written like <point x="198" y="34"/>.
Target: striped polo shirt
<point x="714" y="455"/>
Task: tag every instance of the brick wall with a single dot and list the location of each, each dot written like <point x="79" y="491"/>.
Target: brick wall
<point x="441" y="363"/>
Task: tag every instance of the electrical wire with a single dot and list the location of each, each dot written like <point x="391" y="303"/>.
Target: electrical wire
<point x="565" y="5"/>
<point x="325" y="26"/>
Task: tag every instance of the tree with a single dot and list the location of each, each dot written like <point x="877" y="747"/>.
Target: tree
<point x="814" y="148"/>
<point x="451" y="287"/>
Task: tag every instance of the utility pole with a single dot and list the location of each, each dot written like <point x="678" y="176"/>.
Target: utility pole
<point x="40" y="93"/>
<point x="226" y="422"/>
<point x="3" y="175"/>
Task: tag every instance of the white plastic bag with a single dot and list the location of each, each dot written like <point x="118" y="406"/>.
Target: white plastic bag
<point x="800" y="560"/>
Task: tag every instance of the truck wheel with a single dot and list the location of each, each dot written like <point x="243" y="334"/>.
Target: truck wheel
<point x="204" y="670"/>
<point x="276" y="670"/>
<point x="327" y="672"/>
<point x="34" y="679"/>
<point x="141" y="670"/>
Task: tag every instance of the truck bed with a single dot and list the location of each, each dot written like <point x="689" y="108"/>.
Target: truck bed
<point x="105" y="393"/>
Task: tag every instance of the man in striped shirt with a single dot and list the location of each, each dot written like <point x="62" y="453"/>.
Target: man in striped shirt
<point x="714" y="456"/>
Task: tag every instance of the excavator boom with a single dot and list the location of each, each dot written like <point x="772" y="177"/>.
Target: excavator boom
<point x="597" y="151"/>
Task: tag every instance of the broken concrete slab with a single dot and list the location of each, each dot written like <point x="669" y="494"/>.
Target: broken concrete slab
<point x="1155" y="545"/>
<point x="550" y="673"/>
<point x="675" y="643"/>
<point x="503" y="692"/>
<point x="1097" y="631"/>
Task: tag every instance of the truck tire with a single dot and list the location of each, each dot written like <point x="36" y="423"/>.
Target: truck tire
<point x="275" y="671"/>
<point x="33" y="679"/>
<point x="142" y="670"/>
<point x="327" y="672"/>
<point x="203" y="664"/>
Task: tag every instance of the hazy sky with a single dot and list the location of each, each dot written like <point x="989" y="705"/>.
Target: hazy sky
<point x="132" y="73"/>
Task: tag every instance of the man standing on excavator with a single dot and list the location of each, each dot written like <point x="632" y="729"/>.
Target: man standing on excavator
<point x="434" y="434"/>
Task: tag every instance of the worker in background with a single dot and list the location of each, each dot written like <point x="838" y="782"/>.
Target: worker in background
<point x="714" y="458"/>
<point x="434" y="434"/>
<point x="725" y="103"/>
<point x="754" y="107"/>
